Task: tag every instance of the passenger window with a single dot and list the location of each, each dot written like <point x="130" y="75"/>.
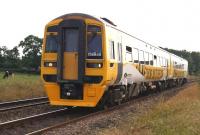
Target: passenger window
<point x="112" y="50"/>
<point x="129" y="54"/>
<point x="161" y="61"/>
<point x="151" y="59"/>
<point x="164" y="62"/>
<point x="146" y="58"/>
<point x="155" y="60"/>
<point x="158" y="61"/>
<point x="119" y="52"/>
<point x="141" y="57"/>
<point x="135" y="55"/>
<point x="175" y="64"/>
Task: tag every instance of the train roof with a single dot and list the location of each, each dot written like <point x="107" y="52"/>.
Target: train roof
<point x="78" y="14"/>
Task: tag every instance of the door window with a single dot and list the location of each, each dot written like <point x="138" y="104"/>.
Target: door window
<point x="71" y="40"/>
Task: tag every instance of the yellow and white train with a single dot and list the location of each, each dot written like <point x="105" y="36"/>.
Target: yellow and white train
<point x="88" y="61"/>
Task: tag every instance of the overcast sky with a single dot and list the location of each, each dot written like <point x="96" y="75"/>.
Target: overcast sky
<point x="167" y="23"/>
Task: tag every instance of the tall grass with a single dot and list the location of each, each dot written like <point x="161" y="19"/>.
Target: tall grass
<point x="179" y="115"/>
<point x="20" y="86"/>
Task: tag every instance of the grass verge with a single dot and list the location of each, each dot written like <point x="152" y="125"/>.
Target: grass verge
<point x="20" y="86"/>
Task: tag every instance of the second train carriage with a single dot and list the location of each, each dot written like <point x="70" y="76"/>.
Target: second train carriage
<point x="88" y="61"/>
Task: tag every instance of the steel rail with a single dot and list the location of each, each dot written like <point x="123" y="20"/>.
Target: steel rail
<point x="16" y="122"/>
<point x="5" y="106"/>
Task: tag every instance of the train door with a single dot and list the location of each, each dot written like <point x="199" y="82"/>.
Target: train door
<point x="70" y="54"/>
<point x="112" y="67"/>
<point x="120" y="64"/>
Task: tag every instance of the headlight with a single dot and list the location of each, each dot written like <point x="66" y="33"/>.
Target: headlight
<point x="50" y="64"/>
<point x="94" y="65"/>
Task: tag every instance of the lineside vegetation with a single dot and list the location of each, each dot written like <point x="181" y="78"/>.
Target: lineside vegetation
<point x="20" y="86"/>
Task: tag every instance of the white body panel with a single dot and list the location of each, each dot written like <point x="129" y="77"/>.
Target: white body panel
<point x="163" y="57"/>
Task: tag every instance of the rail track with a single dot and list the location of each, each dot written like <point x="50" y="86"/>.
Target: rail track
<point x="39" y="121"/>
<point x="35" y="117"/>
<point x="6" y="106"/>
<point x="65" y="116"/>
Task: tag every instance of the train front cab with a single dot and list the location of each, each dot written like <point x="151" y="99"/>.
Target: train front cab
<point x="74" y="61"/>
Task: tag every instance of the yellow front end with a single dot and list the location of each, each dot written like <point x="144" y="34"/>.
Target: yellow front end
<point x="53" y="78"/>
<point x="92" y="95"/>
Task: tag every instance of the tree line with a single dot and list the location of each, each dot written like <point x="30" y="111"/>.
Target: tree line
<point x="193" y="59"/>
<point x="29" y="60"/>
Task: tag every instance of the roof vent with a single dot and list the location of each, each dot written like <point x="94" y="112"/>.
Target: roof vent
<point x="108" y="21"/>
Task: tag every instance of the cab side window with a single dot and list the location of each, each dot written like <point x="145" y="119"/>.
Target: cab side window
<point x="135" y="55"/>
<point x="146" y="58"/>
<point x="112" y="50"/>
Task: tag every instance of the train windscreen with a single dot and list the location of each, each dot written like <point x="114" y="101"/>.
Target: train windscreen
<point x="94" y="42"/>
<point x="51" y="44"/>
